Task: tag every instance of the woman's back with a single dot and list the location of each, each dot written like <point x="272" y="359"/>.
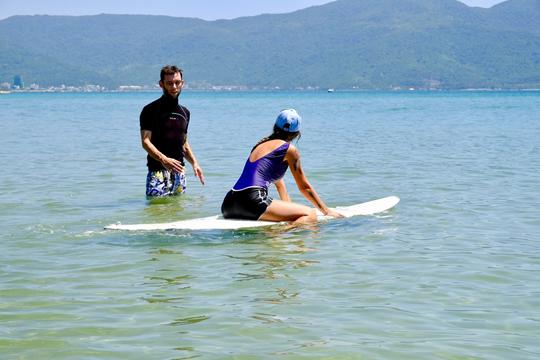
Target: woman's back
<point x="265" y="165"/>
<point x="264" y="149"/>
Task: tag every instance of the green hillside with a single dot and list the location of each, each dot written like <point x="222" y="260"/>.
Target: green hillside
<point x="347" y="43"/>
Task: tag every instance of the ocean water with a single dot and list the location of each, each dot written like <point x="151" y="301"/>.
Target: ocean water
<point x="453" y="272"/>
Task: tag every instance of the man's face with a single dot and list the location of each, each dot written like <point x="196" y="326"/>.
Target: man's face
<point x="172" y="85"/>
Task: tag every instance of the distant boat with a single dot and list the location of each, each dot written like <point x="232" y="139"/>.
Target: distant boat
<point x="331" y="90"/>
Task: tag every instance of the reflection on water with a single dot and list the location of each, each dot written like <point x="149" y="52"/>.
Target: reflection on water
<point x="280" y="295"/>
<point x="278" y="252"/>
<point x="174" y="281"/>
<point x="189" y="320"/>
<point x="186" y="278"/>
<point x="167" y="209"/>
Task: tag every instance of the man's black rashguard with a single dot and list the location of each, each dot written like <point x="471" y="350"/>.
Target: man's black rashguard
<point x="168" y="121"/>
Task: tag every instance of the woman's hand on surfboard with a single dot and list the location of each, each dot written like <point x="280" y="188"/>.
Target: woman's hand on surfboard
<point x="334" y="213"/>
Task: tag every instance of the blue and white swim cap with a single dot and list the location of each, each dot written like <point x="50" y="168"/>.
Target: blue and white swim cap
<point x="288" y="120"/>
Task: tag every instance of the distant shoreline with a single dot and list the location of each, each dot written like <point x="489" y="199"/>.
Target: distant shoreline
<point x="131" y="91"/>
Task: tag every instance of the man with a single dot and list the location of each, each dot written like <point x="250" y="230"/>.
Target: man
<point x="164" y="124"/>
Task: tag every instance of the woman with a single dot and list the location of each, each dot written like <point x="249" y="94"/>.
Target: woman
<point x="267" y="163"/>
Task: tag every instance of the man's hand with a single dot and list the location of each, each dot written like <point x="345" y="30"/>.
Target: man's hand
<point x="198" y="172"/>
<point x="172" y="164"/>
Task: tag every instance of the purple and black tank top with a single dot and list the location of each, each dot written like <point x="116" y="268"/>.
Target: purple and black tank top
<point x="264" y="171"/>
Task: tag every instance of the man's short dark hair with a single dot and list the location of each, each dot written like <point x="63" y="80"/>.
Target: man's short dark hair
<point x="170" y="70"/>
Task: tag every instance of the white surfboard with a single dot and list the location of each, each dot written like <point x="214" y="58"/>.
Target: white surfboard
<point x="217" y="222"/>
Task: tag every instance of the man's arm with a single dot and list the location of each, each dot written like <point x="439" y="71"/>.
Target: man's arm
<point x="168" y="163"/>
<point x="190" y="156"/>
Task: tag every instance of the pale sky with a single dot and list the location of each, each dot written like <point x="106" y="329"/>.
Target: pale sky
<point x="204" y="9"/>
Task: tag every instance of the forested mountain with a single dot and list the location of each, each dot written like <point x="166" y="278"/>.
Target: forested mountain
<point x="347" y="43"/>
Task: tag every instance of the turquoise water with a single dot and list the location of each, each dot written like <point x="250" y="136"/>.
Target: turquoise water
<point x="453" y="272"/>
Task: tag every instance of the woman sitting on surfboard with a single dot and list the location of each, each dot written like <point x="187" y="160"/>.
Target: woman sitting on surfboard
<point x="267" y="163"/>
